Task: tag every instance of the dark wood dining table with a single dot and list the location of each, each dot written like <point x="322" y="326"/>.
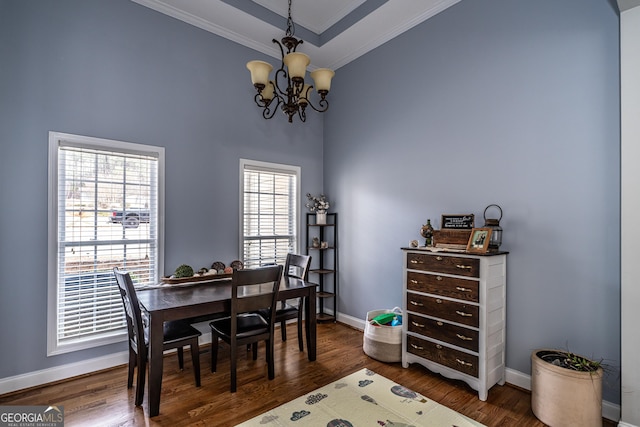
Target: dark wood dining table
<point x="166" y="302"/>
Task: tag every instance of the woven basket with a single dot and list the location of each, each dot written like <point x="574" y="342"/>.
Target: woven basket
<point x="381" y="342"/>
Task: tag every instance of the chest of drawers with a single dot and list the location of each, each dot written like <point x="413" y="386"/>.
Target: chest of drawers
<point x="455" y="310"/>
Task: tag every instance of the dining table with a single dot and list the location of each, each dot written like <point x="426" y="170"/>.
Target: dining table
<point x="202" y="299"/>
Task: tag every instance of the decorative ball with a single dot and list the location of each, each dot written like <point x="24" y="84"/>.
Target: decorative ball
<point x="228" y="270"/>
<point x="426" y="231"/>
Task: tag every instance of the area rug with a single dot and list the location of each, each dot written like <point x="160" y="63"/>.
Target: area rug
<point x="363" y="398"/>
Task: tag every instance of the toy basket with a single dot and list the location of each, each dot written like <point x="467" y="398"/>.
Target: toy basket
<point x="383" y="342"/>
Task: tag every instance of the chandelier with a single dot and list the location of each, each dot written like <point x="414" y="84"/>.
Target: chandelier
<point x="293" y="98"/>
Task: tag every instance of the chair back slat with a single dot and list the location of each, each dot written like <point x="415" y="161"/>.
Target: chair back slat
<point x="297" y="266"/>
<point x="253" y="290"/>
<point x="254" y="303"/>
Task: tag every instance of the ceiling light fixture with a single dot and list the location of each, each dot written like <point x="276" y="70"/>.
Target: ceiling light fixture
<point x="295" y="97"/>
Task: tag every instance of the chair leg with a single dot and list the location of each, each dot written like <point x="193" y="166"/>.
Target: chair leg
<point x="214" y="351"/>
<point x="142" y="371"/>
<point x="195" y="360"/>
<point x="306" y="330"/>
<point x="283" y="330"/>
<point x="133" y="357"/>
<point x="254" y="348"/>
<point x="180" y="358"/>
<point x="300" y="342"/>
<point x="270" y="361"/>
<point x="234" y="364"/>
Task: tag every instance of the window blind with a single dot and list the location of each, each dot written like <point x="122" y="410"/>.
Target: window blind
<point x="95" y="186"/>
<point x="269" y="214"/>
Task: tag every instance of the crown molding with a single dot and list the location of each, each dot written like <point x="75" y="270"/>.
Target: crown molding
<point x="209" y="26"/>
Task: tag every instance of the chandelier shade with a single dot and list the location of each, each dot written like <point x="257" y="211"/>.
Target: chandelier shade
<point x="287" y="89"/>
<point x="259" y="72"/>
<point x="322" y="79"/>
<point x="297" y="64"/>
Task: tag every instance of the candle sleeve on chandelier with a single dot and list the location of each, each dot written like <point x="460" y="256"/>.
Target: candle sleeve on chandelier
<point x="304" y="94"/>
<point x="259" y="72"/>
<point x="267" y="92"/>
<point x="322" y="79"/>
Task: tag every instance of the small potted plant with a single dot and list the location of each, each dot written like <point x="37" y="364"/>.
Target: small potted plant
<point x="319" y="205"/>
<point x="566" y="389"/>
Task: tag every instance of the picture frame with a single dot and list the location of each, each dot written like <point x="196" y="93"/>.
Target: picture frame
<point x="479" y="240"/>
<point x="457" y="222"/>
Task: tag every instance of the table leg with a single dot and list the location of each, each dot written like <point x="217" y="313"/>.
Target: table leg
<point x="311" y="323"/>
<point x="156" y="340"/>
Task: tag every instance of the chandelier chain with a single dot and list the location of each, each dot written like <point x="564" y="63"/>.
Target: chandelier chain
<point x="291" y="27"/>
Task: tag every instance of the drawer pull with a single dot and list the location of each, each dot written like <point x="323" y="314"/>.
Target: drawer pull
<point x="419" y="325"/>
<point x="463" y="338"/>
<point x="415" y="261"/>
<point x="439" y="258"/>
<point x="461" y="289"/>
<point x="417" y="347"/>
<point x="463" y="267"/>
<point x="463" y="363"/>
<point x="439" y="278"/>
<point x="415" y="282"/>
<point x="418" y="304"/>
<point x="439" y="323"/>
<point x="438" y="346"/>
<point x="463" y="314"/>
<point x="438" y="301"/>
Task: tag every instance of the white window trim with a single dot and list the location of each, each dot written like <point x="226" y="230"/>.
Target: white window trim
<point x="277" y="167"/>
<point x="52" y="244"/>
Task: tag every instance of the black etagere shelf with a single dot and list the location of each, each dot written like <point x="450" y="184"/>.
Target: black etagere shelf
<point x="324" y="264"/>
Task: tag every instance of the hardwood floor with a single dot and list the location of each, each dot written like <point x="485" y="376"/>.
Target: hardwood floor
<point x="102" y="399"/>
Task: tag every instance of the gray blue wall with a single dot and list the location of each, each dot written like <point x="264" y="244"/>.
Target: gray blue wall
<point x="114" y="69"/>
<point x="494" y="101"/>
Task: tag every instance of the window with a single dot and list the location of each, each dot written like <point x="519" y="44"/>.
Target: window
<point x="268" y="208"/>
<point x="105" y="206"/>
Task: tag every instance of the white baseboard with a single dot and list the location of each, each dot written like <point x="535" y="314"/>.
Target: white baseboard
<point x="610" y="410"/>
<point x="354" y="322"/>
<point x="57" y="373"/>
<point x="63" y="372"/>
<point x="518" y="379"/>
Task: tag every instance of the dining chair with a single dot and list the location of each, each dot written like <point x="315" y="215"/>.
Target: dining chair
<point x="251" y="290"/>
<point x="296" y="266"/>
<point x="177" y="334"/>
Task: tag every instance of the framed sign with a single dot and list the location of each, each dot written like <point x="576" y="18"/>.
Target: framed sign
<point x="479" y="240"/>
<point x="457" y="222"/>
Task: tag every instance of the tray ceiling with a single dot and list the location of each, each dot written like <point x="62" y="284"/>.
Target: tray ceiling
<point x="335" y="32"/>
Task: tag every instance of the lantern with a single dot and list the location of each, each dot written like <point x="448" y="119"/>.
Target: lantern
<point x="496" y="231"/>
